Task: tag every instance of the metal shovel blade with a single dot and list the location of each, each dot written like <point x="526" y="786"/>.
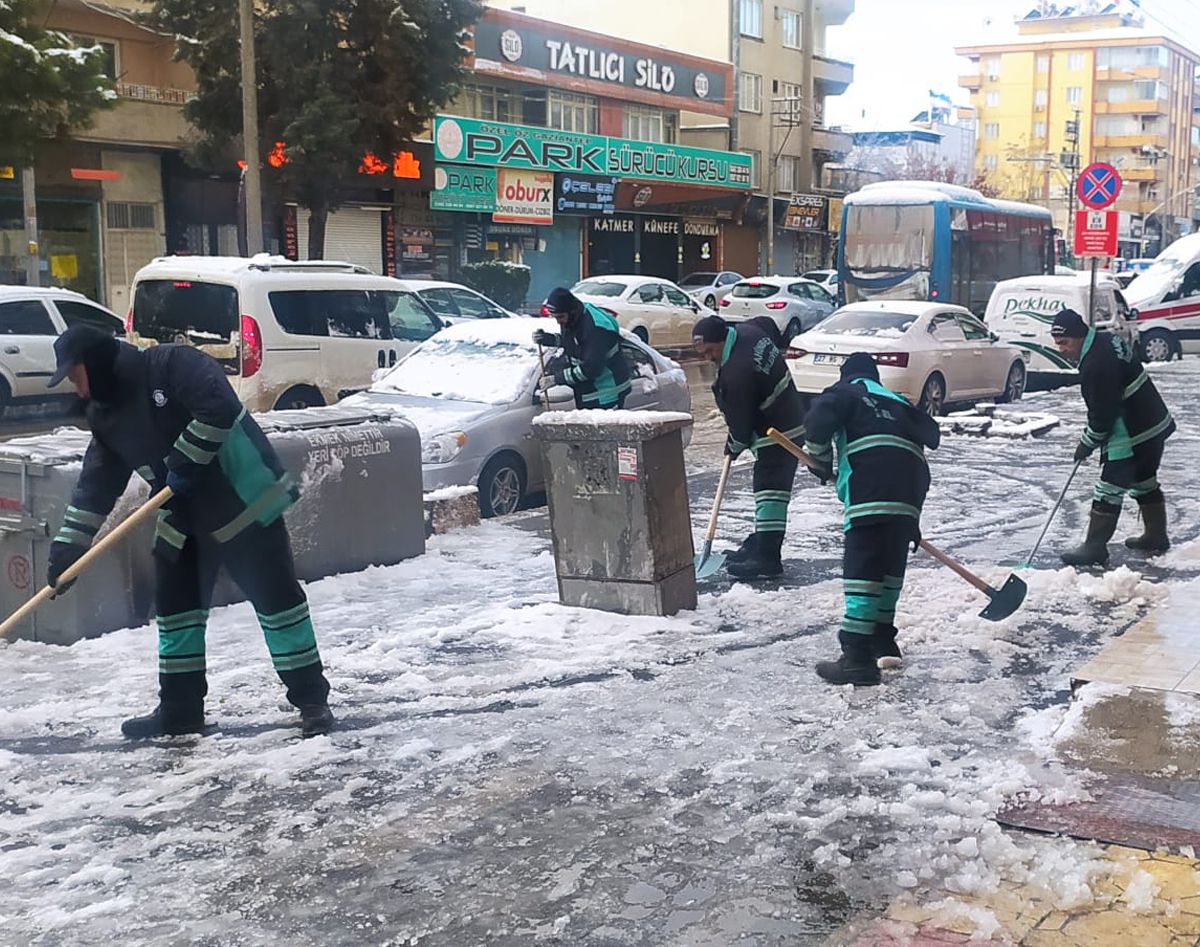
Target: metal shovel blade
<point x="1006" y="600"/>
<point x="708" y="562"/>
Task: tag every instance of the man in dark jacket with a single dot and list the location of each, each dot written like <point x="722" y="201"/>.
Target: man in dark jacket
<point x="882" y="479"/>
<point x="170" y="415"/>
<point x="591" y="362"/>
<point x="754" y="391"/>
<point x="1129" y="422"/>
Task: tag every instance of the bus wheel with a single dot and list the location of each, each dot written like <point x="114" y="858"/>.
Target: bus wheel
<point x="933" y="396"/>
<point x="1158" y="346"/>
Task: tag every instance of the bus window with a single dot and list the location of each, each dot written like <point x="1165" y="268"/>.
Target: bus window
<point x="891" y="244"/>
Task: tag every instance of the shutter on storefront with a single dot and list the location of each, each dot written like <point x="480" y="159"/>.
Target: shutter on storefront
<point x="352" y="235"/>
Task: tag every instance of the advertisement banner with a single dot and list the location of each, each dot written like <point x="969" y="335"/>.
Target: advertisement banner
<point x="524" y="197"/>
<point x="805" y="212"/>
<point x="584" y="194"/>
<point x="466" y="189"/>
<point x="492" y="144"/>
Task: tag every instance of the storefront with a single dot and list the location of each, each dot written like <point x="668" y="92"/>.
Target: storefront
<point x="669" y="247"/>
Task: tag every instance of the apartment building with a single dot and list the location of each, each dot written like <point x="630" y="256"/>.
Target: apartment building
<point x="1132" y="92"/>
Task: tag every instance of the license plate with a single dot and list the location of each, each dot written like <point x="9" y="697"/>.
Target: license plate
<point x="828" y="359"/>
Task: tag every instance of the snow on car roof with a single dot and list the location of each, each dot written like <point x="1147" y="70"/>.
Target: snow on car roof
<point x="915" y="308"/>
<point x="775" y="280"/>
<point x="41" y="291"/>
<point x="1067" y="281"/>
<point x="518" y="331"/>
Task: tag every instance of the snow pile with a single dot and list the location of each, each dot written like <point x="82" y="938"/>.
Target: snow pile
<point x="990" y="421"/>
<point x="450" y="493"/>
<point x="595" y="417"/>
<point x="1119" y="586"/>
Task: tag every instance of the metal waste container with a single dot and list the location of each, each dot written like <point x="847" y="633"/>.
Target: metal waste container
<point x="619" y="515"/>
<point x="360" y="505"/>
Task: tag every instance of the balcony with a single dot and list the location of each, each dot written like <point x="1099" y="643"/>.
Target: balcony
<point x="1133" y="107"/>
<point x="970" y="81"/>
<point x="1142" y="172"/>
<point x="139" y="122"/>
<point x="832" y="141"/>
<point x="155" y="94"/>
<point x="1121" y="73"/>
<point x="834" y="12"/>
<point x="1148" y="139"/>
<point x="832" y="76"/>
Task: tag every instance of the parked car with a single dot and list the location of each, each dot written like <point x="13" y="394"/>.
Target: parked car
<point x="793" y="303"/>
<point x="931" y="353"/>
<point x="454" y="302"/>
<point x="708" y="289"/>
<point x="471" y="391"/>
<point x="289" y="335"/>
<point x="1021" y="311"/>
<point x="826" y="279"/>
<point x="30" y="320"/>
<point x="655" y="310"/>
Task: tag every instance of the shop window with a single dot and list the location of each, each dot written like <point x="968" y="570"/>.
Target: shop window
<point x="25" y="317"/>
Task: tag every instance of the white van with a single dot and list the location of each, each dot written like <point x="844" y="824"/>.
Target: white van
<point x="1021" y="311"/>
<point x="289" y="335"/>
<point x="1166" y="298"/>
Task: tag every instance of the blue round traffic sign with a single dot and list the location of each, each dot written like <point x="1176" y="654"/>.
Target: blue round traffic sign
<point x="1099" y="185"/>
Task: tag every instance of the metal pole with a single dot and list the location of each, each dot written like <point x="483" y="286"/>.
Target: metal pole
<point x="250" y="143"/>
<point x="769" y="269"/>
<point x="29" y="196"/>
<point x="1092" y="296"/>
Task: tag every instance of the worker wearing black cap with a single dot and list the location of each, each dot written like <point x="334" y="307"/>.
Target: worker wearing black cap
<point x="170" y="415"/>
<point x="1130" y="424"/>
<point x="591" y="361"/>
<point x="882" y="478"/>
<point x="754" y="391"/>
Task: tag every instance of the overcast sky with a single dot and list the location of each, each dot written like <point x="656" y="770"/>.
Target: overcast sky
<point x="903" y="48"/>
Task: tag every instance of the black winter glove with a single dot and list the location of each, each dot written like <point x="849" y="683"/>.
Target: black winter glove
<point x="823" y="472"/>
<point x="555" y="364"/>
<point x="62" y="557"/>
<point x="544" y="338"/>
<point x="1083" y="452"/>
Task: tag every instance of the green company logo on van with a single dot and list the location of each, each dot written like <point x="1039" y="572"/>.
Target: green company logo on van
<point x="1038" y="307"/>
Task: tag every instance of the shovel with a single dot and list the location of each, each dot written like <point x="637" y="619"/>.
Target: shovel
<point x="87" y="559"/>
<point x="542" y="362"/>
<point x="1004" y="601"/>
<point x="707" y="563"/>
<point x="1062" y="496"/>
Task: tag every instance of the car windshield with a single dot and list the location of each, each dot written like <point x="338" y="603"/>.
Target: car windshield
<point x="599" y="287"/>
<point x="464" y="370"/>
<point x="1157" y="280"/>
<point x="754" y="290"/>
<point x="698" y="279"/>
<point x="878" y="324"/>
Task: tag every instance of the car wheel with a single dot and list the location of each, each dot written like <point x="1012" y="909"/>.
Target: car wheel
<point x="1014" y="385"/>
<point x="794" y="328"/>
<point x="501" y="486"/>
<point x="1158" y="346"/>
<point x="298" y="398"/>
<point x="710" y="301"/>
<point x="933" y="396"/>
<point x="642" y="334"/>
<point x="6" y="396"/>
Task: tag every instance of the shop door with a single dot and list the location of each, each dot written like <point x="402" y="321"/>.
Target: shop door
<point x="352" y="235"/>
<point x="610" y="252"/>
<point x="740" y="249"/>
<point x="701" y="251"/>
<point x="660" y="255"/>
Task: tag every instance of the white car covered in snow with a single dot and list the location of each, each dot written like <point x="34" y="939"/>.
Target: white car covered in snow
<point x="471" y="391"/>
<point x="655" y="310"/>
<point x="933" y="354"/>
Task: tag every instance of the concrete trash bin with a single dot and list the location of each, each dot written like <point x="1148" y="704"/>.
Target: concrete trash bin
<point x="619" y="514"/>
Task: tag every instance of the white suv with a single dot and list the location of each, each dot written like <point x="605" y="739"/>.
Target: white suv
<point x="289" y="335"/>
<point x="30" y="320"/>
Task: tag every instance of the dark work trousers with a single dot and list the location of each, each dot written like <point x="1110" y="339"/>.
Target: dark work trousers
<point x="873" y="566"/>
<point x="774" y="473"/>
<point x="259" y="560"/>
<point x="1136" y="476"/>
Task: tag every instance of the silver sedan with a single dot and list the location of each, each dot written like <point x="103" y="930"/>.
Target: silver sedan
<point x="472" y="392"/>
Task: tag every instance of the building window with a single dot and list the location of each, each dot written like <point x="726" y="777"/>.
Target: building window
<point x="1039" y="98"/>
<point x="490" y="103"/>
<point x="991" y="66"/>
<point x="570" y="112"/>
<point x="787" y="175"/>
<point x="1039" y="129"/>
<point x="991" y="130"/>
<point x="642" y="123"/>
<point x="128" y="215"/>
<point x="108" y="47"/>
<point x="990" y="162"/>
<point x="1043" y="63"/>
<point x="789" y="23"/>
<point x="755" y="166"/>
<point x="992" y="100"/>
<point x="751" y="18"/>
<point x="1146" y="89"/>
<point x="1075" y="61"/>
<point x="1074" y="95"/>
<point x="750" y="92"/>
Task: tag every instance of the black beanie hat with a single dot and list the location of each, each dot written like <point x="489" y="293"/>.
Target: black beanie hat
<point x="860" y="365"/>
<point x="1069" y="324"/>
<point x="710" y="329"/>
<point x="562" y="299"/>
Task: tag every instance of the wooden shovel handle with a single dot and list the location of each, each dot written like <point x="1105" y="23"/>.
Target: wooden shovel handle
<point x="711" y="534"/>
<point x="792" y="448"/>
<point x="88" y="558"/>
<point x="545" y="390"/>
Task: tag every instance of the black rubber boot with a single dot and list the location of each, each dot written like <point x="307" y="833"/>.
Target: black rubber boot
<point x="763" y="562"/>
<point x="166" y="720"/>
<point x="1153" y="540"/>
<point x="856" y="665"/>
<point x="1094" y="549"/>
<point x="315" y="720"/>
<point x="745" y="549"/>
<point x="887" y="652"/>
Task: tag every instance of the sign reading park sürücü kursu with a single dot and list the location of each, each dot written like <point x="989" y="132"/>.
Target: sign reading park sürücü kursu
<point x="469" y="141"/>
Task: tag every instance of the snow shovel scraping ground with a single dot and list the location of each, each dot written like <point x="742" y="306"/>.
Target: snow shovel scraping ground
<point x="1004" y="600"/>
<point x="708" y="562"/>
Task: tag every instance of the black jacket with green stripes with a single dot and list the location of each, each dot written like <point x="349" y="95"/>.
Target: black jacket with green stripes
<point x="880" y="440"/>
<point x="592" y="362"/>
<point x="1124" y="408"/>
<point x="176" y="411"/>
<point x="754" y="390"/>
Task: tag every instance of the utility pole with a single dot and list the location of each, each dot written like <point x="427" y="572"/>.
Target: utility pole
<point x="250" y="143"/>
<point x="29" y="198"/>
<point x="787" y="112"/>
<point x="1071" y="159"/>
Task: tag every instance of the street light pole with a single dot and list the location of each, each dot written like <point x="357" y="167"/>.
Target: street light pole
<point x="29" y="199"/>
<point x="250" y="143"/>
